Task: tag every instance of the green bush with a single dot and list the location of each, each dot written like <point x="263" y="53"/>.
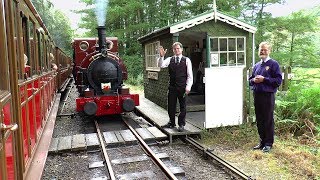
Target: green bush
<point x="134" y="66"/>
<point x="138" y="81"/>
<point x="298" y="110"/>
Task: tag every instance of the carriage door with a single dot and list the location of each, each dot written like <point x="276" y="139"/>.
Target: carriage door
<point x="224" y="81"/>
<point x="7" y="151"/>
<point x="7" y="165"/>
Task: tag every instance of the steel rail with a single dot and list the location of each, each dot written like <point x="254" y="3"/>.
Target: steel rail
<point x="162" y="166"/>
<point x="233" y="169"/>
<point x="65" y="98"/>
<point x="105" y="154"/>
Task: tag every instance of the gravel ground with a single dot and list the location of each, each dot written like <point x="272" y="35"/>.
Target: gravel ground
<point x="72" y="166"/>
<point x="75" y="165"/>
<point x="122" y="152"/>
<point x="195" y="166"/>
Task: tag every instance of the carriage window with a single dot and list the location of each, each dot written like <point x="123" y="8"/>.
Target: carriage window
<point x="32" y="47"/>
<point x="47" y="51"/>
<point x="40" y="51"/>
<point x="227" y="51"/>
<point x="17" y="40"/>
<point x="152" y="55"/>
<point x="4" y="71"/>
<point x="27" y="59"/>
<point x="44" y="54"/>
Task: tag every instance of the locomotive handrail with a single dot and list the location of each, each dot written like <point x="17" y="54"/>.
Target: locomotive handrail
<point x="84" y="70"/>
<point x="109" y="54"/>
<point x="96" y="56"/>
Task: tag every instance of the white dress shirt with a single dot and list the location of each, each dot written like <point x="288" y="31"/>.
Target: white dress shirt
<point x="163" y="63"/>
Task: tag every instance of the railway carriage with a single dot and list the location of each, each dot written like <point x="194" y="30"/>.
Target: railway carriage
<point x="28" y="85"/>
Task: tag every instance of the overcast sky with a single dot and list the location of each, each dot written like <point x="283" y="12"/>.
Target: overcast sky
<point x="290" y="6"/>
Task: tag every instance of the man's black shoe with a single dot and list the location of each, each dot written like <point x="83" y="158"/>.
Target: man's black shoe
<point x="180" y="128"/>
<point x="169" y="125"/>
<point x="258" y="147"/>
<point x="266" y="149"/>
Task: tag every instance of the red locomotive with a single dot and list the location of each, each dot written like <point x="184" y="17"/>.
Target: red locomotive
<point x="99" y="74"/>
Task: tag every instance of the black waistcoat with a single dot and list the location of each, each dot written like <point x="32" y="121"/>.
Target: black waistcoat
<point x="178" y="73"/>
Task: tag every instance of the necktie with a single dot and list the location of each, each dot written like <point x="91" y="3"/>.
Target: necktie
<point x="177" y="60"/>
<point x="262" y="63"/>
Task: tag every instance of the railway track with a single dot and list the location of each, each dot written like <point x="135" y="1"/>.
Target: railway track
<point x="115" y="154"/>
<point x="142" y="163"/>
<point x="207" y="153"/>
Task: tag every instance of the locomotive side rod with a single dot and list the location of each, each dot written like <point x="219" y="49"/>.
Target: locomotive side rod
<point x="105" y="154"/>
<point x="162" y="166"/>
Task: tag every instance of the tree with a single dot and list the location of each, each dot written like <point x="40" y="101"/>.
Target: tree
<point x="297" y="25"/>
<point x="254" y="12"/>
<point x="54" y="20"/>
<point x="62" y="36"/>
<point x="293" y="39"/>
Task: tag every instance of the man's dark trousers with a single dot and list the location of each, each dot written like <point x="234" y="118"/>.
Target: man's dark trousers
<point x="174" y="94"/>
<point x="264" y="107"/>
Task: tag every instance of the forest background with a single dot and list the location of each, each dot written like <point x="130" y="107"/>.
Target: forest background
<point x="295" y="39"/>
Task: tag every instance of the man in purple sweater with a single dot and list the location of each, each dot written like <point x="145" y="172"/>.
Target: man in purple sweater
<point x="265" y="79"/>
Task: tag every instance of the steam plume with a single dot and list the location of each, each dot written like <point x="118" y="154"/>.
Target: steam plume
<point x="100" y="10"/>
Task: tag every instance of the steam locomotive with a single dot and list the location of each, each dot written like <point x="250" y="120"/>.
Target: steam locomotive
<point x="99" y="74"/>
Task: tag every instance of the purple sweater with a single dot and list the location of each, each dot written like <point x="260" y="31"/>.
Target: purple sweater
<point x="272" y="77"/>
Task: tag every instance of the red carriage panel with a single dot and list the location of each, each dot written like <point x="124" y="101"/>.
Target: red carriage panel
<point x="8" y="144"/>
<point x="38" y="101"/>
<point x="31" y="114"/>
<point x="25" y="132"/>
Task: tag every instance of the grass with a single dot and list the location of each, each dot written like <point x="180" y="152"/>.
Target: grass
<point x="289" y="158"/>
<point x="135" y="89"/>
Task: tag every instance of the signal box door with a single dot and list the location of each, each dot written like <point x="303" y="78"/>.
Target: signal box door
<point x="224" y="96"/>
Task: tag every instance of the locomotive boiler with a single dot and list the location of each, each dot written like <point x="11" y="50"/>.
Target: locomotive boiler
<point x="99" y="74"/>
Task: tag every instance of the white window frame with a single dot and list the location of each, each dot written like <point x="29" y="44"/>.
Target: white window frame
<point x="236" y="51"/>
<point x="151" y="56"/>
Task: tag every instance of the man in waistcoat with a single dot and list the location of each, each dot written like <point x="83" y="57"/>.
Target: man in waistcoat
<point x="265" y="79"/>
<point x="181" y="79"/>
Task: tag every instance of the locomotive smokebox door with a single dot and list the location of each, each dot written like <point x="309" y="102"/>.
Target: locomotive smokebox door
<point x="104" y="71"/>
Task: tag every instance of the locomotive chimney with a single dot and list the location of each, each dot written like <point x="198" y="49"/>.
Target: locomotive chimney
<point x="102" y="38"/>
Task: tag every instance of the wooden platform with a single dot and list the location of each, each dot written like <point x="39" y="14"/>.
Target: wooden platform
<point x="113" y="138"/>
<point x="160" y="117"/>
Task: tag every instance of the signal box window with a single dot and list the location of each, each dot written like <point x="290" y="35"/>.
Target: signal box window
<point x="152" y="55"/>
<point x="227" y="51"/>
